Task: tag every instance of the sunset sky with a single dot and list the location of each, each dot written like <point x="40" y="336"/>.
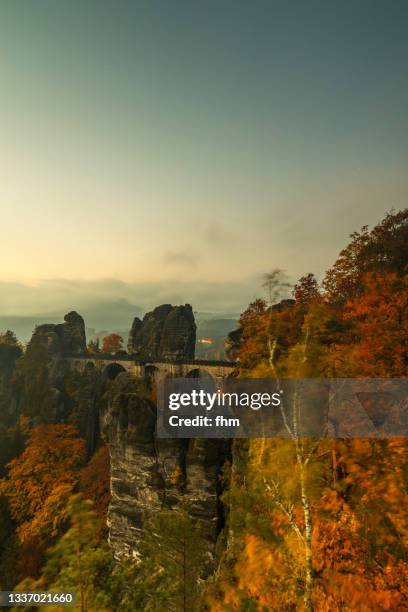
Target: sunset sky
<point x="157" y="150"/>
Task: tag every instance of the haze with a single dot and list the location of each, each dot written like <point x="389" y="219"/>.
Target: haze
<point x="175" y="151"/>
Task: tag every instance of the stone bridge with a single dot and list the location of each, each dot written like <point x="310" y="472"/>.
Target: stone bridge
<point x="112" y="365"/>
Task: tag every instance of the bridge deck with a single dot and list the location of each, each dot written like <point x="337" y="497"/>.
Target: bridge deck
<point x="133" y="359"/>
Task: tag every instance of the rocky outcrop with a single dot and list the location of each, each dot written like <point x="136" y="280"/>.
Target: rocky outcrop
<point x="129" y="424"/>
<point x="168" y="332"/>
<point x="233" y="343"/>
<point x="134" y="341"/>
<point x="44" y="359"/>
<point x="73" y="333"/>
<point x="148" y="473"/>
<point x="65" y="338"/>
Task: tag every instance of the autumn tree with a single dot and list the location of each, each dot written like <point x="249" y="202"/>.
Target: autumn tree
<point x="93" y="346"/>
<point x="41" y="480"/>
<point x="323" y="519"/>
<point x="270" y="329"/>
<point x="360" y="536"/>
<point x="253" y="325"/>
<point x="276" y="285"/>
<point x="94" y="482"/>
<point x="383" y="250"/>
<point x="306" y="290"/>
<point x="112" y="343"/>
<point x="378" y="317"/>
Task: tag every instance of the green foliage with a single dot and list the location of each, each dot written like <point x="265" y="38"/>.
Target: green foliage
<point x="8" y="546"/>
<point x="127" y="384"/>
<point x="10" y="351"/>
<point x="9" y="338"/>
<point x="167" y="577"/>
<point x="173" y="556"/>
<point x="79" y="562"/>
<point x="94" y="346"/>
<point x="11" y="445"/>
<point x="37" y="397"/>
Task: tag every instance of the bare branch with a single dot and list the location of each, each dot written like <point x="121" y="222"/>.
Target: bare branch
<point x="287" y="509"/>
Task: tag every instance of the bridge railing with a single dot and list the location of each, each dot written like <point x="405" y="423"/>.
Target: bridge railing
<point x="138" y="361"/>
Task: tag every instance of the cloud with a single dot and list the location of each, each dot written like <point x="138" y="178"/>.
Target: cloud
<point x="217" y="235"/>
<point x="112" y="304"/>
<point x="185" y="258"/>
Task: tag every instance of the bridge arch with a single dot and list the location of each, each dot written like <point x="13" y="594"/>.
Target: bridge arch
<point x="112" y="371"/>
<point x="151" y="372"/>
<point x="199" y="373"/>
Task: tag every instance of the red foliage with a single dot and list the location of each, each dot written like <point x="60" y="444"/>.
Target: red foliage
<point x="94" y="482"/>
<point x="112" y="343"/>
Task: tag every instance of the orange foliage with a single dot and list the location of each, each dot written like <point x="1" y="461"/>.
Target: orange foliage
<point x="30" y="558"/>
<point x="359" y="539"/>
<point x="357" y="487"/>
<point x="379" y="318"/>
<point x="42" y="478"/>
<point x="360" y="530"/>
<point x="112" y="343"/>
<point x="260" y="573"/>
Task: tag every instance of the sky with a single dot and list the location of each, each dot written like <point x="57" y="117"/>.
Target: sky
<point x="175" y="151"/>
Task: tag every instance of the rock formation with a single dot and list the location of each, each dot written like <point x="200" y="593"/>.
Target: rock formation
<point x="65" y="338"/>
<point x="73" y="333"/>
<point x="46" y="352"/>
<point x="148" y="473"/>
<point x="168" y="332"/>
<point x="233" y="343"/>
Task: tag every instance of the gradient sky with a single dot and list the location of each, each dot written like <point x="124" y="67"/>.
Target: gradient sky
<point x="191" y="146"/>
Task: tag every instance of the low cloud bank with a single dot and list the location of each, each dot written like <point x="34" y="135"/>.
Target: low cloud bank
<point x="112" y="304"/>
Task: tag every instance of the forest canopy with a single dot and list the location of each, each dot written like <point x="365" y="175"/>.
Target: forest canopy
<point x="303" y="524"/>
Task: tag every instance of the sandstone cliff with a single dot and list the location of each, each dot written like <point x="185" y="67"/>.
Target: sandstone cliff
<point x="41" y="380"/>
<point x="233" y="343"/>
<point x="168" y="332"/>
<point x="148" y="473"/>
<point x="65" y="338"/>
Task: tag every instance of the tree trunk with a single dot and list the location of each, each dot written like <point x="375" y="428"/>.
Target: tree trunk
<point x="308" y="543"/>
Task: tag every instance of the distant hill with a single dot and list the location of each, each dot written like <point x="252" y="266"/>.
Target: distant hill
<point x="23" y="327"/>
<point x="211" y="334"/>
<point x="216" y="327"/>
